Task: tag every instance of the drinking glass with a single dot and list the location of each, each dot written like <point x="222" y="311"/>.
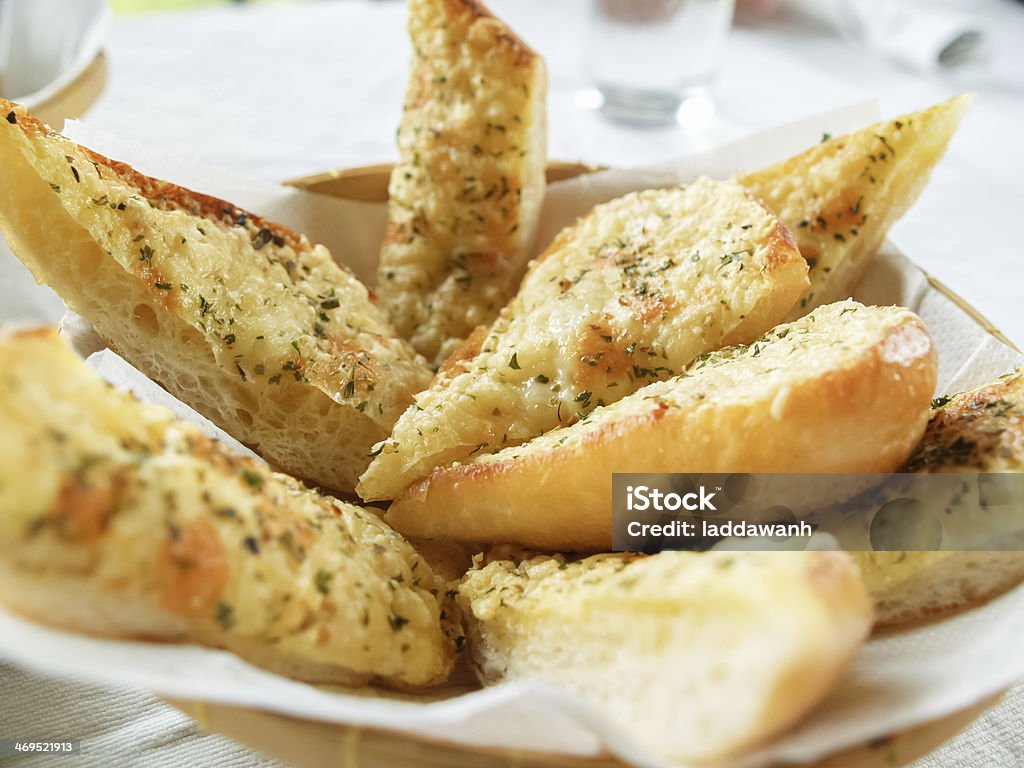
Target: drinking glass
<point x="649" y="58"/>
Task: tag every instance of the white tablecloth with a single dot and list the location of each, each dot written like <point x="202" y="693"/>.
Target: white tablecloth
<point x="277" y="92"/>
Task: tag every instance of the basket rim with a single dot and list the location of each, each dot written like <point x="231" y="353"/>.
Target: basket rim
<point x="265" y="732"/>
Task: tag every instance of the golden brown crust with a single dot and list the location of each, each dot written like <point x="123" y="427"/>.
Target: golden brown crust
<point x="781" y="245"/>
<point x="477" y="10"/>
<point x="861" y="410"/>
<point x="162" y="194"/>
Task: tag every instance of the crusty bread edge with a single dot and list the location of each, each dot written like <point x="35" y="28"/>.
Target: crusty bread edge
<point x="498" y="501"/>
<point x="157" y="191"/>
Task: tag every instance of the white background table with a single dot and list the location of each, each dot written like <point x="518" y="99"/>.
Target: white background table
<point x="274" y="92"/>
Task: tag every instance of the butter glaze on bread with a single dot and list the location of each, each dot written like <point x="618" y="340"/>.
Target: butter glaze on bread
<point x="465" y="196"/>
<point x="845" y="389"/>
<point x="632" y="293"/>
<point x="118" y="519"/>
<point x="242" y="319"/>
<point x="699" y="656"/>
<point x="841" y="197"/>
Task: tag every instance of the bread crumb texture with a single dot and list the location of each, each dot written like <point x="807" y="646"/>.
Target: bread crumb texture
<point x="244" y="320"/>
<point x="465" y="196"/>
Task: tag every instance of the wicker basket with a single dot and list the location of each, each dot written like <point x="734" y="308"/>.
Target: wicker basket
<point x="309" y="744"/>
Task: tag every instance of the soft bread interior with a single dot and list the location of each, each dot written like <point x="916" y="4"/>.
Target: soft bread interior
<point x="244" y="321"/>
<point x="909" y="586"/>
<point x="981" y="430"/>
<point x="699" y="656"/>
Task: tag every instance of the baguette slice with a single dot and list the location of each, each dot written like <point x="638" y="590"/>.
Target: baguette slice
<point x="845" y="389"/>
<point x="118" y="519"/>
<point x="700" y="656"/>
<point x="465" y="196"/>
<point x="977" y="431"/>
<point x="242" y="319"/>
<point x="632" y="293"/>
<point x="841" y="197"/>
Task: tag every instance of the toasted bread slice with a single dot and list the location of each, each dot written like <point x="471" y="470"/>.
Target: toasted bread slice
<point x="118" y="519"/>
<point x="632" y="293"/>
<point x="465" y="196"/>
<point x="245" y="321"/>
<point x="845" y="389"/>
<point x="841" y="197"/>
<point x="977" y="431"/>
<point x="699" y="656"/>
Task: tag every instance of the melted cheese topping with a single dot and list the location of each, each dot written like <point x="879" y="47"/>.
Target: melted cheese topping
<point x="840" y="197"/>
<point x="631" y="294"/>
<point x="466" y="194"/>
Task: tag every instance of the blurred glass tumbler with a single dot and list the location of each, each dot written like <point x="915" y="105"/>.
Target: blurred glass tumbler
<point x="648" y="58"/>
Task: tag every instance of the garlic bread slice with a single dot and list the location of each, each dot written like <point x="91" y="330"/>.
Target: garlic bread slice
<point x="632" y="293"/>
<point x="977" y="431"/>
<point x="244" y="320"/>
<point x="699" y="656"/>
<point x="981" y="430"/>
<point x="844" y="389"/>
<point x="841" y="197"/>
<point x="118" y="519"/>
<point x="465" y="196"/>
